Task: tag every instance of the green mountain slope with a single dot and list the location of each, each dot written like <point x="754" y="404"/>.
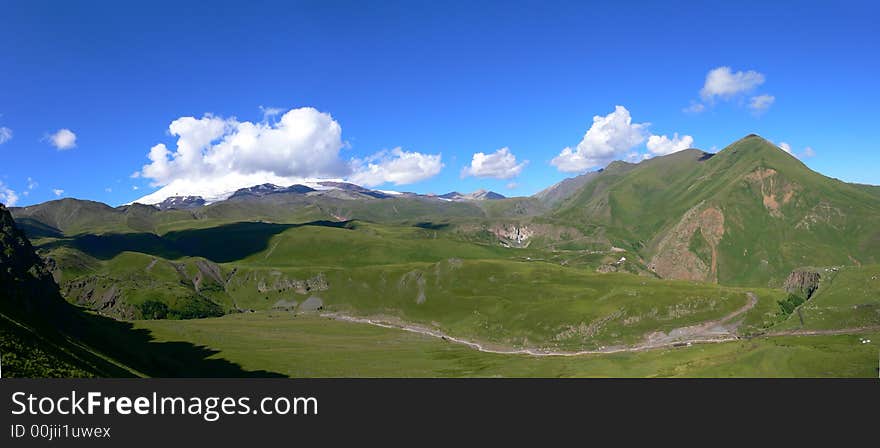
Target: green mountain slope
<point x="847" y="297"/>
<point x="747" y="215"/>
<point x="41" y="335"/>
<point x="30" y="309"/>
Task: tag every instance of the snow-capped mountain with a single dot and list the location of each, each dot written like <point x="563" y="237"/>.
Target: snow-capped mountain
<point x="479" y="195"/>
<point x="181" y="203"/>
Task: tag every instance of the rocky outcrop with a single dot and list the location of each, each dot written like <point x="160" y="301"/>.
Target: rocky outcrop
<point x="802" y="282"/>
<point x="513" y="235"/>
<point x="99" y="293"/>
<point x="280" y="283"/>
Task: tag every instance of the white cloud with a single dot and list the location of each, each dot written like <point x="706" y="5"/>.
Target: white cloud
<point x="662" y="145"/>
<point x="808" y="152"/>
<point x="511" y="185"/>
<point x="135" y="187"/>
<point x="785" y="147"/>
<point x="5" y="134"/>
<point x="63" y="139"/>
<point x="108" y="190"/>
<point x="609" y="137"/>
<point x="7" y="196"/>
<point x="57" y="191"/>
<point x="500" y="164"/>
<point x="31" y="183"/>
<point x="724" y="83"/>
<point x="303" y="143"/>
<point x="694" y="108"/>
<point x="396" y="166"/>
<point x="761" y="103"/>
<point x="220" y="155"/>
<point x="215" y="156"/>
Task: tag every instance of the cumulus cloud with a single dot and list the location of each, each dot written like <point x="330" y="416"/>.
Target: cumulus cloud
<point x="761" y="103"/>
<point x="661" y="144"/>
<point x="8" y="197"/>
<point x="609" y="137"/>
<point x="500" y="164"/>
<point x="63" y="139"/>
<point x="722" y="82"/>
<point x="785" y="147"/>
<point x="57" y="191"/>
<point x="214" y="156"/>
<point x="397" y="166"/>
<point x="31" y="183"/>
<point x="303" y="143"/>
<point x="808" y="152"/>
<point x="5" y="134"/>
<point x="219" y="155"/>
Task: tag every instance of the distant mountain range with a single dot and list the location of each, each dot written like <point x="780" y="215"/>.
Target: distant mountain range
<point x="746" y="215"/>
<point x="322" y="188"/>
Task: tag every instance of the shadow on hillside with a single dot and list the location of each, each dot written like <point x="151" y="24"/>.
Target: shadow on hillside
<point x="431" y="225"/>
<point x="36" y="229"/>
<point x="137" y="349"/>
<point x="221" y="244"/>
<point x="79" y="338"/>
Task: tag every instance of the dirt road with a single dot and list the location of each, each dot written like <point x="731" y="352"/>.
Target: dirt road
<point x="718" y="330"/>
<point x="854" y="330"/>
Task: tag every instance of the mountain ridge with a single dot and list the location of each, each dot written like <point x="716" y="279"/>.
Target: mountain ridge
<point x="686" y="215"/>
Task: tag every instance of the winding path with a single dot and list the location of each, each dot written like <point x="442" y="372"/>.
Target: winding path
<point x="836" y="331"/>
<point x="713" y="331"/>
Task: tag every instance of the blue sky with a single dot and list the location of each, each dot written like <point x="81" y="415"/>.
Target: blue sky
<point x="446" y="79"/>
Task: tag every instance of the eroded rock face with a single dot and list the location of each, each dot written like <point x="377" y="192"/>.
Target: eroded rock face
<point x="675" y="258"/>
<point x="513" y="235"/>
<point x="802" y="282"/>
<point x="100" y="294"/>
<point x="775" y="191"/>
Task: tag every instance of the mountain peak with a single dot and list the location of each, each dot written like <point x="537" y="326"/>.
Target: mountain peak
<point x="755" y="139"/>
<point x="478" y="195"/>
<point x="755" y="145"/>
<point x="179" y="203"/>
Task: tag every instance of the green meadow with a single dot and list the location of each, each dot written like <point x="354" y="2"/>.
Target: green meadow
<point x="311" y="346"/>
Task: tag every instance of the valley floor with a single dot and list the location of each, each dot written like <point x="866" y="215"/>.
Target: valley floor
<point x="314" y="346"/>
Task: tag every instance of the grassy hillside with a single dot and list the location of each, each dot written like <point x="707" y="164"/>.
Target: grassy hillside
<point x="305" y="346"/>
<point x="635" y="253"/>
<point x="848" y="298"/>
<point x="417" y="274"/>
<point x="745" y="216"/>
<point x="509" y="296"/>
<point x="530" y="304"/>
